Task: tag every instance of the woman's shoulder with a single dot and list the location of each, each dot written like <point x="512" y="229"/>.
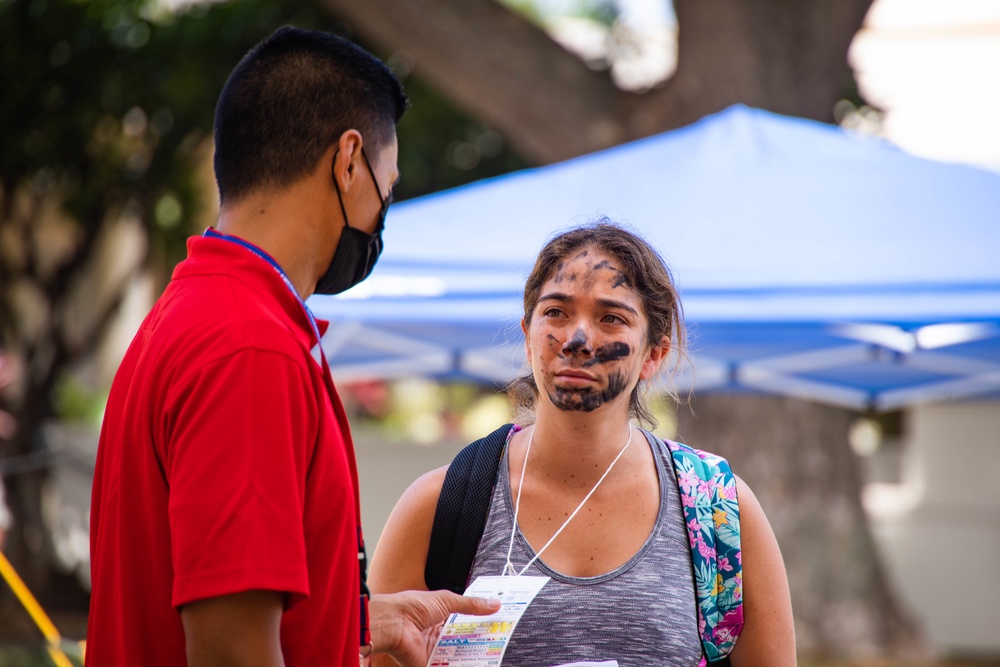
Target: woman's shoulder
<point x="401" y="553"/>
<point x="422" y="495"/>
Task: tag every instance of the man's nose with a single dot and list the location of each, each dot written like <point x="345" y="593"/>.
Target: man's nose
<point x="578" y="343"/>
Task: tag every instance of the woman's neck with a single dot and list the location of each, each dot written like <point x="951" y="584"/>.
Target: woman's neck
<point x="566" y="442"/>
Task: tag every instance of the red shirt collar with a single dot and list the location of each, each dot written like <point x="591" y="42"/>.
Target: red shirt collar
<point x="218" y="256"/>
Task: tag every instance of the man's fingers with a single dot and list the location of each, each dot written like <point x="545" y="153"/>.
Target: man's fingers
<point x="462" y="604"/>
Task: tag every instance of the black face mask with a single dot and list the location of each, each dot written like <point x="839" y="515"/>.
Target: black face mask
<point x="356" y="252"/>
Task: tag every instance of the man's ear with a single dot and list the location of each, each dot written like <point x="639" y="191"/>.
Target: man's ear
<point x="345" y="159"/>
<point x="654" y="358"/>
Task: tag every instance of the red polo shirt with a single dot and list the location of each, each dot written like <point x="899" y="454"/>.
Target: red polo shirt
<point x="225" y="465"/>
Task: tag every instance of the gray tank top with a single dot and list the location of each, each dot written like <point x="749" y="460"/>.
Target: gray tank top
<point x="641" y="614"/>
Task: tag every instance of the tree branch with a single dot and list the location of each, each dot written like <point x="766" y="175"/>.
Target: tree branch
<point x="58" y="285"/>
<point x="486" y="58"/>
<point x="786" y="56"/>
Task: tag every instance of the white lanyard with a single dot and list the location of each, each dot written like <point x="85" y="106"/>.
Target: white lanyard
<point x="508" y="568"/>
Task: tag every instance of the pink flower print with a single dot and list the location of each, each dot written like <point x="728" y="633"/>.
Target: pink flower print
<point x="739" y="557"/>
<point x="729" y="627"/>
<point x="705" y="489"/>
<point x="688" y="480"/>
<point x="724" y="564"/>
<point x="687" y="500"/>
<point x="722" y="635"/>
<point x="694" y="526"/>
<point x="705" y="550"/>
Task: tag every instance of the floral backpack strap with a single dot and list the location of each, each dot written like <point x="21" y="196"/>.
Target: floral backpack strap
<point x="712" y="514"/>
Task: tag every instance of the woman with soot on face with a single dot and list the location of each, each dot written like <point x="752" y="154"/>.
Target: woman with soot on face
<point x="656" y="553"/>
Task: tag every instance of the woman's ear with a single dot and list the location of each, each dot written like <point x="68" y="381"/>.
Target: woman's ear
<point x="527" y="340"/>
<point x="654" y="358"/>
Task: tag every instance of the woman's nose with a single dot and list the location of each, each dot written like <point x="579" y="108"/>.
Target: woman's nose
<point x="579" y="343"/>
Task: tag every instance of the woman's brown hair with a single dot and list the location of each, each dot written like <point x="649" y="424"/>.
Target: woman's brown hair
<point x="646" y="273"/>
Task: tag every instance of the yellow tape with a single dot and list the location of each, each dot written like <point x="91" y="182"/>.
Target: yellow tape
<point x="35" y="611"/>
<point x="58" y="656"/>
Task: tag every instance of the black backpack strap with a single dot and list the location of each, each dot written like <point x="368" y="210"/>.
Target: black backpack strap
<point x="461" y="512"/>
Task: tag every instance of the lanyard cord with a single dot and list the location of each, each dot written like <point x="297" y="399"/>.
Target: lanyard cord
<point x="215" y="234"/>
<point x="508" y="568"/>
<point x="362" y="556"/>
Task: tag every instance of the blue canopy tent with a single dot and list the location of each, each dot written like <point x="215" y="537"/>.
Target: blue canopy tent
<point x="811" y="262"/>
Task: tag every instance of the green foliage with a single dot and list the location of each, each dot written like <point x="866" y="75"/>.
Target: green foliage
<point x="106" y="102"/>
<point x="602" y="11"/>
<point x="107" y="108"/>
<point x="441" y="147"/>
<point x="540" y="12"/>
<point x="76" y="402"/>
<point x="530" y="9"/>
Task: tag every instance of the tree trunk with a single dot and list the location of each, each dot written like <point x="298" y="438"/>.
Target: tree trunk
<point x="500" y="67"/>
<point x="787" y="56"/>
<point x="27" y="544"/>
<point x="45" y="347"/>
<point x="796" y="458"/>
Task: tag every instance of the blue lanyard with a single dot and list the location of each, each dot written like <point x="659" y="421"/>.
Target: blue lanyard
<point x="362" y="556"/>
<point x="214" y="234"/>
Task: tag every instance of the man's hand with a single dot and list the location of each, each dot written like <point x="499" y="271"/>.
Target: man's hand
<point x="406" y="625"/>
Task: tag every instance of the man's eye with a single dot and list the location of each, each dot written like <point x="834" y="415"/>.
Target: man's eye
<point x="613" y="319"/>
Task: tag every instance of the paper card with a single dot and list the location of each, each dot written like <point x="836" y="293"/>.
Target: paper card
<point x="481" y="641"/>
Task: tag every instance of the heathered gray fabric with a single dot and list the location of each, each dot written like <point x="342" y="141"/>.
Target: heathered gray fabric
<point x="641" y="614"/>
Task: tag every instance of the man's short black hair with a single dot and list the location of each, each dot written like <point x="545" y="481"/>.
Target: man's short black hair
<point x="289" y="99"/>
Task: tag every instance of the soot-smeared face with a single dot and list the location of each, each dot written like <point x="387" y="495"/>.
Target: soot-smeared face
<point x="587" y="339"/>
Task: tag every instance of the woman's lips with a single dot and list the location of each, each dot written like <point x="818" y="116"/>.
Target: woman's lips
<point x="574" y="376"/>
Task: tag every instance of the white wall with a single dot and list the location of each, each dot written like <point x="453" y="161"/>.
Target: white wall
<point x="939" y="531"/>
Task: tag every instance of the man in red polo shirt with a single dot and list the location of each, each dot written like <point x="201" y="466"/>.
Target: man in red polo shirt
<point x="225" y="524"/>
